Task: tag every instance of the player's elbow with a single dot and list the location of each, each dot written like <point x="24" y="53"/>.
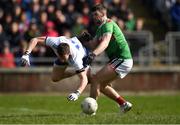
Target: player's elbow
<point x="83" y="79"/>
<point x="105" y="44"/>
<point x="55" y="80"/>
<point x="34" y="40"/>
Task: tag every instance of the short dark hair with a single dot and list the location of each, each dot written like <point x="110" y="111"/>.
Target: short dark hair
<point x="63" y="48"/>
<point x="85" y="36"/>
<point x="98" y="7"/>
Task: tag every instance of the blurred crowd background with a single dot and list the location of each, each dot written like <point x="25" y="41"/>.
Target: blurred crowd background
<point x="21" y="20"/>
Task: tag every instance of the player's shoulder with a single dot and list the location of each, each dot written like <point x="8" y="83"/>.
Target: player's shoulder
<point x="74" y="39"/>
<point x="108" y="22"/>
<point x="62" y="37"/>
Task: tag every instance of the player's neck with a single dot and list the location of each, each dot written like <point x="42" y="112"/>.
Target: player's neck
<point x="104" y="19"/>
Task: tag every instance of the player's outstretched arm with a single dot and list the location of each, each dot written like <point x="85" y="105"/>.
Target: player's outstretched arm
<point x="103" y="43"/>
<point x="83" y="82"/>
<point x="34" y="41"/>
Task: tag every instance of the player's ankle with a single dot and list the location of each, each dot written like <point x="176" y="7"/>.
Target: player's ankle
<point x="120" y="100"/>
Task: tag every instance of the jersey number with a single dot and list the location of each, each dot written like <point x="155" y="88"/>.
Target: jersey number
<point x="76" y="45"/>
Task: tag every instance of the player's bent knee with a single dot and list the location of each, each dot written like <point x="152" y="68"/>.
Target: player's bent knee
<point x="55" y="79"/>
<point x="94" y="79"/>
<point x="102" y="87"/>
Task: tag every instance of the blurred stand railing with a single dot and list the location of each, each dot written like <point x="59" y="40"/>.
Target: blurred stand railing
<point x="173" y="52"/>
<point x="141" y="45"/>
<point x="167" y="52"/>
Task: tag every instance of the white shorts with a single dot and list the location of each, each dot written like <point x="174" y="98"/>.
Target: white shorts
<point x="121" y="66"/>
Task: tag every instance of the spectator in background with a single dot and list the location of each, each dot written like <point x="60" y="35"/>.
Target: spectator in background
<point x="130" y="23"/>
<point x="14" y="35"/>
<point x="139" y="24"/>
<point x="62" y="5"/>
<point x="175" y="15"/>
<point x="51" y="12"/>
<point x="44" y="4"/>
<point x="17" y="13"/>
<point x="1" y="15"/>
<point x="6" y="57"/>
<point x="35" y="10"/>
<point x="19" y="51"/>
<point x="23" y="23"/>
<point x="7" y="22"/>
<point x="50" y="31"/>
<point x="169" y="3"/>
<point x="42" y="21"/>
<point x="71" y="15"/>
<point x="61" y="21"/>
<point x="85" y="16"/>
<point x="33" y="31"/>
<point x="79" y="4"/>
<point x="3" y="36"/>
<point x="114" y="7"/>
<point x="78" y="26"/>
<point x="121" y="24"/>
<point x="122" y="11"/>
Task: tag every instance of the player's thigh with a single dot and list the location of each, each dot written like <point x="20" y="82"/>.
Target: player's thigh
<point x="58" y="73"/>
<point x="89" y="75"/>
<point x="105" y="75"/>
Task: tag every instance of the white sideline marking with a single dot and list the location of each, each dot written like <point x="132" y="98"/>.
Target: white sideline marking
<point x="25" y="109"/>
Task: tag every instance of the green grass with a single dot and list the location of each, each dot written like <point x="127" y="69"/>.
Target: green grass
<point x="55" y="109"/>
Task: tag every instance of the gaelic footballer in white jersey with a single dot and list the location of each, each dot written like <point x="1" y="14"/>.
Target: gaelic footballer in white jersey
<point x="77" y="51"/>
<point x="69" y="51"/>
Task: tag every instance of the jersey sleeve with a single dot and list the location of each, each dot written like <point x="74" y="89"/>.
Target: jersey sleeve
<point x="51" y="42"/>
<point x="78" y="65"/>
<point x="107" y="28"/>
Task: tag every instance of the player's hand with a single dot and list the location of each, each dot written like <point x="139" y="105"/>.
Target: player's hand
<point x="73" y="96"/>
<point x="25" y="60"/>
<point x="87" y="60"/>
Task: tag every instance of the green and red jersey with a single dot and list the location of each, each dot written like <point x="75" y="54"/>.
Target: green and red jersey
<point x="118" y="46"/>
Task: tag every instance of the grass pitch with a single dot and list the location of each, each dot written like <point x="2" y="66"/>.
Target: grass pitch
<point x="55" y="109"/>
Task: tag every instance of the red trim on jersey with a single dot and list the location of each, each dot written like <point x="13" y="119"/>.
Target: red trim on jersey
<point x="109" y="20"/>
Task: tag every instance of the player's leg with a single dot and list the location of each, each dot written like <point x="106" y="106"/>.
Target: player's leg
<point x="108" y="74"/>
<point x="89" y="75"/>
<point x="108" y="90"/>
<point x="100" y="82"/>
<point x="59" y="71"/>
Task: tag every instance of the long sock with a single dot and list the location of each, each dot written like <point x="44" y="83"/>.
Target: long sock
<point x="120" y="100"/>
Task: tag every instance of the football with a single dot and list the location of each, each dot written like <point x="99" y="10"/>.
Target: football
<point x="89" y="106"/>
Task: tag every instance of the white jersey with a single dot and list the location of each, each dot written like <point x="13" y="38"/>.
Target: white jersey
<point x="77" y="51"/>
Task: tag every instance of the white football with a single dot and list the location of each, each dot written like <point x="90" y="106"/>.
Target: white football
<point x="89" y="106"/>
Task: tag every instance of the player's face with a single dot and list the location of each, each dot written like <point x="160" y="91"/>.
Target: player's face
<point x="64" y="58"/>
<point x="97" y="17"/>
